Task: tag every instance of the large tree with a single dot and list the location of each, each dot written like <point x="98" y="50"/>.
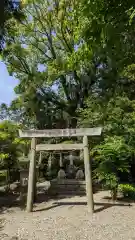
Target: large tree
<point x="63" y="52"/>
<point x="49" y="39"/>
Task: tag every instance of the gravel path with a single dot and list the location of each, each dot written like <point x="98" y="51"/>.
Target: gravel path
<point x="63" y="220"/>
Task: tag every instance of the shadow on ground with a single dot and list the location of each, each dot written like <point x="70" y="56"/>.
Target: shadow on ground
<point x="9" y="200"/>
<point x="103" y="205"/>
<point x="120" y="199"/>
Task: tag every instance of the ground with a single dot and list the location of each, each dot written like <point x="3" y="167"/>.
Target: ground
<point x="67" y="218"/>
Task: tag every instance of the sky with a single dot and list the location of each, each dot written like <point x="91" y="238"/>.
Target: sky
<point x="7" y="85"/>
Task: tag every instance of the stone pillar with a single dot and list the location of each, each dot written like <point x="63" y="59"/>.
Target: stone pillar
<point x="50" y="162"/>
<point x="32" y="172"/>
<point x="88" y="176"/>
<point x="40" y="158"/>
<point x="71" y="159"/>
<point x="61" y="162"/>
<point x="24" y="173"/>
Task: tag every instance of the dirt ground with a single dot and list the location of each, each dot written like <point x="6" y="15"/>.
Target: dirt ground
<point x="67" y="218"/>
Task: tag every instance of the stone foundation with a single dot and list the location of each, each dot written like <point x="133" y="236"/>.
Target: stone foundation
<point x="67" y="187"/>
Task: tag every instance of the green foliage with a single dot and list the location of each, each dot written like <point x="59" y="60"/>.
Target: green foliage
<point x="8" y="9"/>
<point x="116" y="113"/>
<point x="50" y="47"/>
<point x="11" y="147"/>
<point x="113" y="156"/>
<point x="131" y="13"/>
<point x="108" y="179"/>
<point x="3" y="177"/>
<point x="127" y="190"/>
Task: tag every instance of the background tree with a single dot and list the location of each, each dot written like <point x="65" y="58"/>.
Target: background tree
<point x="49" y="44"/>
<point x="63" y="51"/>
<point x="8" y="9"/>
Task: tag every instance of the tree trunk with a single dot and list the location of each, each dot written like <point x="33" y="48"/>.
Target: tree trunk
<point x="114" y="194"/>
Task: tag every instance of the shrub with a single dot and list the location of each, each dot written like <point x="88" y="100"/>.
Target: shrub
<point x="127" y="190"/>
<point x="112" y="157"/>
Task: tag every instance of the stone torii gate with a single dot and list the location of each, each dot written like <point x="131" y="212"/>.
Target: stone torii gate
<point x="81" y="132"/>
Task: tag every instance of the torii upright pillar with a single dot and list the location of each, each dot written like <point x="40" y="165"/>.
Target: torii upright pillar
<point x="32" y="174"/>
